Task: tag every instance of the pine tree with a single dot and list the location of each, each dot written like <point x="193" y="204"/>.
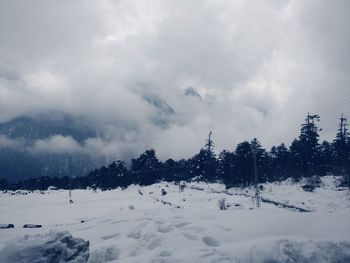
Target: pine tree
<point x="327" y="164"/>
<point x="209" y="146"/>
<point x="243" y="163"/>
<point x="147" y="161"/>
<point x="305" y="150"/>
<point x="280" y="162"/>
<point x="3" y="184"/>
<point x="146" y="168"/>
<point x="204" y="165"/>
<point x="262" y="160"/>
<point x="226" y="161"/>
<point x="340" y="144"/>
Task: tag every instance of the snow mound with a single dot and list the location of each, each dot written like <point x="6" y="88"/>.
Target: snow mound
<point x="287" y="251"/>
<point x="55" y="247"/>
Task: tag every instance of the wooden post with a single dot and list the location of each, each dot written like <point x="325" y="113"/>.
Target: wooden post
<point x="257" y="193"/>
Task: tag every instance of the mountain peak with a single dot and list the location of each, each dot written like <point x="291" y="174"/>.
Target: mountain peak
<point x="190" y="91"/>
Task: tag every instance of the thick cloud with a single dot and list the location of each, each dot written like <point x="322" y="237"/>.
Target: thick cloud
<point x="57" y="144"/>
<point x="258" y="67"/>
<point x="6" y="142"/>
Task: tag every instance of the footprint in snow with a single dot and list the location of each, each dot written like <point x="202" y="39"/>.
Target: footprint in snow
<point x="110" y="236"/>
<point x="190" y="236"/>
<point x="165" y="253"/>
<point x="165" y="229"/>
<point x="154" y="243"/>
<point x="135" y="234"/>
<point x="209" y="241"/>
<point x="179" y="225"/>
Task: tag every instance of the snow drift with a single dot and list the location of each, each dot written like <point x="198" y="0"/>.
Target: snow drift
<point x="289" y="251"/>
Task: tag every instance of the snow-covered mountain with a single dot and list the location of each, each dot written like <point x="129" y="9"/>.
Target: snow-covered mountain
<point x="160" y="104"/>
<point x="190" y="91"/>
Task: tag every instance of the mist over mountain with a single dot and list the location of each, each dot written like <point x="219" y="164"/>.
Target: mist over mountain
<point x="122" y="70"/>
<point x="56" y="143"/>
<point x="45" y="144"/>
<point x="125" y="65"/>
<point x="37" y="126"/>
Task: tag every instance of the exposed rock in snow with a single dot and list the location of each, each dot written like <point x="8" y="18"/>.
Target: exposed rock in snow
<point x="32" y="226"/>
<point x="52" y="247"/>
<point x="6" y="226"/>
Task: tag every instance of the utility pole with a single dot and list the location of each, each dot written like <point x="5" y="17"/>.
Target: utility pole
<point x="257" y="193"/>
<point x="344" y="140"/>
<point x="70" y="181"/>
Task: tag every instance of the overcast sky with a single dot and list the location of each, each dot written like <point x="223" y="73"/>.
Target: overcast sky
<point x="259" y="67"/>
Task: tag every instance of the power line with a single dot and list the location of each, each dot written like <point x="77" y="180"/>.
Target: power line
<point x="325" y="111"/>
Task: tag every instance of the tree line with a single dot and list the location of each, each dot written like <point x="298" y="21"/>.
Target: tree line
<point x="305" y="157"/>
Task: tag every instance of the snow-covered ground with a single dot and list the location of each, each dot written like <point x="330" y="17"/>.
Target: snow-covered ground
<point x="139" y="224"/>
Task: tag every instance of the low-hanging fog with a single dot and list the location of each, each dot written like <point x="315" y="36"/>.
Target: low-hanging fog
<point x="162" y="74"/>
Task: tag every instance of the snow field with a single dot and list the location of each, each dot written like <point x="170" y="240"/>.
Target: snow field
<point x="188" y="226"/>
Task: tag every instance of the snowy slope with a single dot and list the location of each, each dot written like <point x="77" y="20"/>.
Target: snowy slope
<point x="188" y="226"/>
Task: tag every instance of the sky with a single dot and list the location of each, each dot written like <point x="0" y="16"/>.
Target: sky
<point x="258" y="66"/>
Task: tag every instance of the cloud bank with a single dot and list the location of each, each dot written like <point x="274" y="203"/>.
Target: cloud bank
<point x="258" y="67"/>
